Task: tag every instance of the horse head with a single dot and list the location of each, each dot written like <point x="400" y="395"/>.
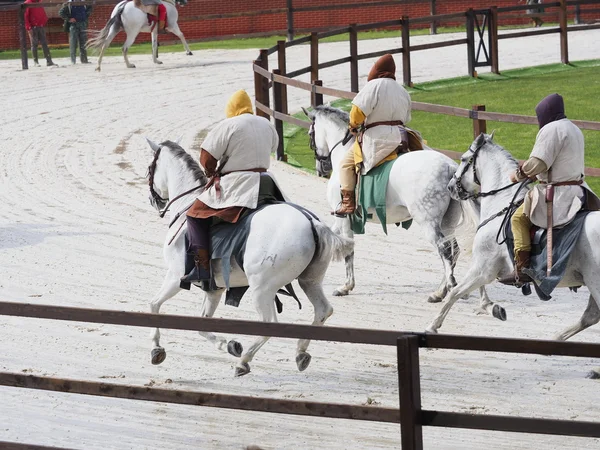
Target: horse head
<point x="157" y="180"/>
<point x="320" y="135"/>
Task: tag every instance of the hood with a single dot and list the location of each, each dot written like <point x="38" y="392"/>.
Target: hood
<point x="239" y="103"/>
<point x="384" y="67"/>
<point x="550" y="109"/>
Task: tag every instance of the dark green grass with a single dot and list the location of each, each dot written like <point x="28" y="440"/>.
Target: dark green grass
<point x="513" y="92"/>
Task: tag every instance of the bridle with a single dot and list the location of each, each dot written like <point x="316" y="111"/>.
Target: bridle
<point x="463" y="194"/>
<point x="313" y="144"/>
<point x="162" y="204"/>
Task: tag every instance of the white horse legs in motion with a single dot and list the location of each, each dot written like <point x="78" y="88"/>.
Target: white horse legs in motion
<point x="492" y="166"/>
<point x="417" y="189"/>
<point x="282" y="246"/>
<point x="126" y="16"/>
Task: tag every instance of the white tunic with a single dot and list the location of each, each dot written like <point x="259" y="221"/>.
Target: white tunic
<point x="247" y="141"/>
<point x="382" y="100"/>
<point x="560" y="145"/>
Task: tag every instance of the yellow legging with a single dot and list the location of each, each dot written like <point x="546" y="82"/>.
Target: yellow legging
<point x="520" y="228"/>
<point x="348" y="171"/>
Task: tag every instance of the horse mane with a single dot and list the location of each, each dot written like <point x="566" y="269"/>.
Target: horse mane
<point x="179" y="153"/>
<point x="335" y="114"/>
<point x="501" y="150"/>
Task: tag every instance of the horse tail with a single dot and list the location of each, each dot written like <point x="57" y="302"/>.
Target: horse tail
<point x="466" y="229"/>
<point x="329" y="244"/>
<point x="99" y="37"/>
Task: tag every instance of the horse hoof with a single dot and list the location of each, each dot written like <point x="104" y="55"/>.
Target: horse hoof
<point x="158" y="62"/>
<point x="235" y="348"/>
<point x="303" y="360"/>
<point x="97" y="69"/>
<point x="499" y="312"/>
<point x="242" y="370"/>
<point x="158" y="355"/>
<point x="340" y="292"/>
<point x="433" y="299"/>
<point x="131" y="66"/>
<point x="593" y="374"/>
<point x="189" y="53"/>
<point x="526" y="289"/>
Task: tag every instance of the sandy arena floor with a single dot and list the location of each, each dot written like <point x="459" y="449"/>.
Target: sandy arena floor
<point x="76" y="229"/>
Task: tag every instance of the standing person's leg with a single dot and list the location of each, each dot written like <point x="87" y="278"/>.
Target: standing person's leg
<point x="33" y="37"/>
<point x="73" y="36"/>
<point x="42" y="37"/>
<point x="82" y="41"/>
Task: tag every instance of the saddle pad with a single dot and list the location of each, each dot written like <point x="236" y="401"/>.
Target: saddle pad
<point x="229" y="239"/>
<point x="564" y="240"/>
<point x="372" y="191"/>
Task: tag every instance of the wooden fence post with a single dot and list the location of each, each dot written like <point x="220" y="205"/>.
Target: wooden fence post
<point x="406" y="51"/>
<point x="314" y="56"/>
<point x="470" y="25"/>
<point x="278" y="106"/>
<point x="493" y="30"/>
<point x="564" y="42"/>
<point x="353" y="37"/>
<point x="282" y="70"/>
<point x="409" y="389"/>
<point x="316" y="99"/>
<point x="479" y="126"/>
<point x="433" y="26"/>
<point x="23" y="38"/>
<point x="261" y="84"/>
<point x="290" y="20"/>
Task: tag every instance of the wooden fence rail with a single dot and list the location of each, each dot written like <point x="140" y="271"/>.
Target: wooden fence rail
<point x="410" y="415"/>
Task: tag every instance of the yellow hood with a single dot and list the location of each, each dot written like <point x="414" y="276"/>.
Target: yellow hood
<point x="238" y="104"/>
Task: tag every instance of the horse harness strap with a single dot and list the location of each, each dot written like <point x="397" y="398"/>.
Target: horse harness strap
<point x="564" y="183"/>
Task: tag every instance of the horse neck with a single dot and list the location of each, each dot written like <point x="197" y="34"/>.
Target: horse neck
<point x="335" y="133"/>
<point x="179" y="180"/>
<point x="495" y="170"/>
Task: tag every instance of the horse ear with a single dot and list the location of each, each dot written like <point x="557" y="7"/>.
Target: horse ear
<point x="480" y="139"/>
<point x="154" y="146"/>
<point x="309" y="114"/>
<point x="179" y="139"/>
<point x="492" y="135"/>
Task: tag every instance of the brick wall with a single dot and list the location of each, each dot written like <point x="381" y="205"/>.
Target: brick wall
<point x="195" y="29"/>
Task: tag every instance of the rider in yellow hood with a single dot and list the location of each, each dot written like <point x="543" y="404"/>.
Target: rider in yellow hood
<point x="239" y="103"/>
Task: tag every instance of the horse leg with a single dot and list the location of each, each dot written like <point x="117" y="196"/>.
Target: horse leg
<point x="473" y="280"/>
<point x="169" y="288"/>
<point x="591" y="316"/>
<point x="128" y="43"/>
<point x="113" y="32"/>
<point x="209" y="306"/>
<point x="264" y="301"/>
<point x="343" y="228"/>
<point x="486" y="306"/>
<point x="323" y="310"/>
<point x="448" y="251"/>
<point x="154" y="36"/>
<point x="177" y="32"/>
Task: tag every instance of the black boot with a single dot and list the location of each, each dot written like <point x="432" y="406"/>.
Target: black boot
<point x="201" y="270"/>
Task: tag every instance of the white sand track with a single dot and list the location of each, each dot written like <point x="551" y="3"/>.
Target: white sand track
<point x="76" y="229"/>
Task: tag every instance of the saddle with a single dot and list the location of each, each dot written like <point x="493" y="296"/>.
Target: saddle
<point x="152" y="11"/>
<point x="564" y="240"/>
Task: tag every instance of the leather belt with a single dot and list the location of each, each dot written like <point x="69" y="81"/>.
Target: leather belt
<point x="564" y="183"/>
<point x="389" y="122"/>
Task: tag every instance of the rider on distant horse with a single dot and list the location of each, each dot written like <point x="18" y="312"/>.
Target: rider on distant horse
<point x="156" y="9"/>
<point x="234" y="156"/>
<point x="557" y="158"/>
<point x="382" y="107"/>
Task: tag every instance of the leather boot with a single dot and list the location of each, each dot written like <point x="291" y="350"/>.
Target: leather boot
<point x="348" y="204"/>
<point x="201" y="270"/>
<point x="518" y="278"/>
<point x="161" y="27"/>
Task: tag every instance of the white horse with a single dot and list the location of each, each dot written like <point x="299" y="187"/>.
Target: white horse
<point x="417" y="189"/>
<point x="484" y="168"/>
<point x="126" y="16"/>
<point x="295" y="248"/>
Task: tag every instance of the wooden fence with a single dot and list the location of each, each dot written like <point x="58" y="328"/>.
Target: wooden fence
<point x="411" y="417"/>
<point x="279" y="79"/>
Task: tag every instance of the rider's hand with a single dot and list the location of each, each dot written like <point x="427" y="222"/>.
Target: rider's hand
<point x="72" y="20"/>
<point x="513" y="177"/>
<point x="353" y="131"/>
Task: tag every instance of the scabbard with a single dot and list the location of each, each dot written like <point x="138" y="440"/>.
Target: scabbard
<point x="550" y="220"/>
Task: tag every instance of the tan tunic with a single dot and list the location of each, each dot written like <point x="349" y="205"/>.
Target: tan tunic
<point x="382" y="100"/>
<point x="560" y="145"/>
<point x="247" y="142"/>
